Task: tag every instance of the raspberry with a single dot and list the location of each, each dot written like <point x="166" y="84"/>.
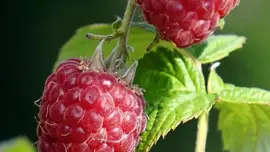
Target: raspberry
<point x="86" y="108"/>
<point x="185" y="22"/>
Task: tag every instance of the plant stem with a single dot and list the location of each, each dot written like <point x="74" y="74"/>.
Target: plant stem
<point x="202" y="127"/>
<point x="101" y="37"/>
<point x="202" y="133"/>
<point x="128" y="16"/>
<point x="121" y="49"/>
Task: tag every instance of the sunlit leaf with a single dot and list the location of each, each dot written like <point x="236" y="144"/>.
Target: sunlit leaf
<point x="244" y="118"/>
<point x="216" y="47"/>
<point x="175" y="93"/>
<point x="19" y="144"/>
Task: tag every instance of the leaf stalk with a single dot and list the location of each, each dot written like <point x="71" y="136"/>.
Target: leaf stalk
<point x="202" y="133"/>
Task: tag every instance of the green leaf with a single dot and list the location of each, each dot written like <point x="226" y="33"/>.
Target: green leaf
<point x="79" y="46"/>
<point x="175" y="92"/>
<point x="221" y="23"/>
<point x="245" y="128"/>
<point x="233" y="94"/>
<point x="217" y="47"/>
<point x="117" y="24"/>
<point x="244" y="118"/>
<point x="19" y="144"/>
<point x="230" y="93"/>
<point x="141" y="35"/>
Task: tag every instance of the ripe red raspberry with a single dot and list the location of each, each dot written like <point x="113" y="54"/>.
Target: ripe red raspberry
<point x="85" y="108"/>
<point x="185" y="22"/>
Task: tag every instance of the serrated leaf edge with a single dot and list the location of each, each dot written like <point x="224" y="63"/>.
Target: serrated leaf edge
<point x="148" y="144"/>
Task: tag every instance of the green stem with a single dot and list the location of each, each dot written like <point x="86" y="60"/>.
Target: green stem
<point x="121" y="49"/>
<point x="101" y="37"/>
<point x="202" y="133"/>
<point x="123" y="31"/>
<point x="202" y="127"/>
<point x="128" y="16"/>
<point x="202" y="130"/>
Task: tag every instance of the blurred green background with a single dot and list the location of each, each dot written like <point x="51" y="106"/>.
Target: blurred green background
<point x="36" y="29"/>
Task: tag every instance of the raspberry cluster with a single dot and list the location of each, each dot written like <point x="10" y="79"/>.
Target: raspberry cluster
<point x="185" y="22"/>
<point x="85" y="108"/>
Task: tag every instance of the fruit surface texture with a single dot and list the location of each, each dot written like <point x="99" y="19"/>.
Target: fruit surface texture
<point x="89" y="110"/>
<point x="185" y="22"/>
